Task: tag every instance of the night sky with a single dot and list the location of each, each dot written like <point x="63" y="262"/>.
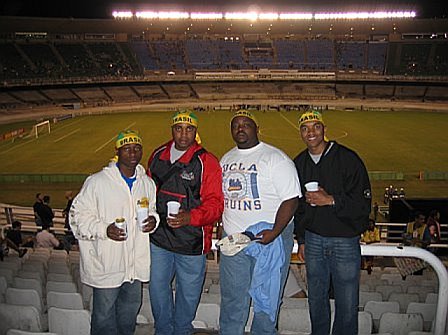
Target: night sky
<point x="103" y="8"/>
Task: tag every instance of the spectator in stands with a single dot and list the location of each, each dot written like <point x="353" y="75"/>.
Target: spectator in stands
<point x="184" y="172"/>
<point x="415" y="231"/>
<point x="371" y="235"/>
<point x="69" y="239"/>
<point x="15" y="236"/>
<point x="37" y="209"/>
<point x="6" y="243"/>
<point x="114" y="244"/>
<point x="329" y="223"/>
<point x="434" y="220"/>
<point x="46" y="239"/>
<point x="261" y="188"/>
<point x="45" y="212"/>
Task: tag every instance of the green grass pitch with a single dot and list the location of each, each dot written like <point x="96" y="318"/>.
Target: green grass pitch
<point x="407" y="141"/>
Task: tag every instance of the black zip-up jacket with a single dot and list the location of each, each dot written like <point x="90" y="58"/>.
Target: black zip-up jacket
<point x="196" y="183"/>
<point x="342" y="174"/>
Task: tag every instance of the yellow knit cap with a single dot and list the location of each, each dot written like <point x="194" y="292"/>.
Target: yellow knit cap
<point x="311" y="116"/>
<point x="185" y="117"/>
<point x="246" y="113"/>
<point x="128" y="137"/>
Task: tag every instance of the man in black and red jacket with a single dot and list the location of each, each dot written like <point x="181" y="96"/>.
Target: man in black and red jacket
<point x="184" y="172"/>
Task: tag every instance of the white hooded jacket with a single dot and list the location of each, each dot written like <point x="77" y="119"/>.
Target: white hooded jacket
<point x="104" y="197"/>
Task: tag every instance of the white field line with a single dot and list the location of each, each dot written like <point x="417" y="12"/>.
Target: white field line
<point x="67" y="135"/>
<point x="113" y="138"/>
<point x="18" y="146"/>
<point x="68" y="125"/>
<point x="286" y="119"/>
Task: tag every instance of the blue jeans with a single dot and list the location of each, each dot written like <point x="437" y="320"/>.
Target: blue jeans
<point x="115" y="309"/>
<point x="340" y="259"/>
<point x="174" y="316"/>
<point x="235" y="278"/>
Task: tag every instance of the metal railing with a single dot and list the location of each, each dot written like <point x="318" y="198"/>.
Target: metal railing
<point x="431" y="259"/>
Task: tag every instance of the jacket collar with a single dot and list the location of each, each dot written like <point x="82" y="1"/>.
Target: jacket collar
<point x="185" y="158"/>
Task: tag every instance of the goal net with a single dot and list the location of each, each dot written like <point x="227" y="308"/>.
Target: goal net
<point x="41" y="128"/>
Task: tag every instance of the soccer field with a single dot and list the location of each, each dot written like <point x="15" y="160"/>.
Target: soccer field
<point x="401" y="141"/>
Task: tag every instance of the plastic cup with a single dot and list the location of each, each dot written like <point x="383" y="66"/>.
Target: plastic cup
<point x="142" y="215"/>
<point x="312" y="186"/>
<point x="121" y="223"/>
<point x="172" y="208"/>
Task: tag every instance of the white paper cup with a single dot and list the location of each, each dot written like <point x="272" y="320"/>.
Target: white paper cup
<point x="172" y="208"/>
<point x="142" y="215"/>
<point x="312" y="186"/>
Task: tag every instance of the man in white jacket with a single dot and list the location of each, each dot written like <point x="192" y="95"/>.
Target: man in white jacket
<point x="115" y="261"/>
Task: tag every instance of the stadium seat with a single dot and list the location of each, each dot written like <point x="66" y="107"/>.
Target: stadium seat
<point x="19" y="317"/>
<point x="294" y="319"/>
<point x="145" y="313"/>
<point x="386" y="290"/>
<point x="392" y="278"/>
<point x="365" y="323"/>
<point x="422" y="291"/>
<point x="378" y="308"/>
<point x="64" y="300"/>
<point x="30" y="275"/>
<point x="24" y="332"/>
<point x="209" y="314"/>
<point x="364" y="288"/>
<point x="59" y="286"/>
<point x="431" y="298"/>
<point x="428" y="311"/>
<point x="29" y="283"/>
<point x="51" y="276"/>
<point x="400" y="324"/>
<point x="364" y="297"/>
<point x="24" y="297"/>
<point x="8" y="274"/>
<point x="3" y="287"/>
<point x="295" y="303"/>
<point x="13" y="266"/>
<point x="403" y="299"/>
<point x="68" y="321"/>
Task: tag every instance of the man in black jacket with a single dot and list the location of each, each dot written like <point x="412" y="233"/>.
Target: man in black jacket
<point x="329" y="223"/>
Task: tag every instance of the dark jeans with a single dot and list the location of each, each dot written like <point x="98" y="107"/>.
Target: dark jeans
<point x="340" y="259"/>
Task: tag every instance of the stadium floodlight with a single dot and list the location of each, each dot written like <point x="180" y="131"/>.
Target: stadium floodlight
<point x="268" y="16"/>
<point x="241" y="16"/>
<point x="173" y="15"/>
<point x="122" y="14"/>
<point x="206" y="16"/>
<point x="162" y="15"/>
<point x="254" y="15"/>
<point x="363" y="15"/>
<point x="296" y="16"/>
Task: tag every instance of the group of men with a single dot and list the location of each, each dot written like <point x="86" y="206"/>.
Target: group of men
<point x="254" y="189"/>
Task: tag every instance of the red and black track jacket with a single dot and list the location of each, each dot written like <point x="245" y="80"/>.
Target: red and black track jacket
<point x="197" y="185"/>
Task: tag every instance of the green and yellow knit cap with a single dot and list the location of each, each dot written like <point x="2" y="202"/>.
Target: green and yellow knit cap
<point x="313" y="116"/>
<point x="185" y="116"/>
<point x="246" y="113"/>
<point x="128" y="137"/>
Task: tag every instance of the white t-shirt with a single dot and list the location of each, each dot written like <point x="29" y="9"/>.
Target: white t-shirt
<point x="255" y="183"/>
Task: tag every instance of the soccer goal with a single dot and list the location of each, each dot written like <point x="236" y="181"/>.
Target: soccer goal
<point x="41" y="128"/>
